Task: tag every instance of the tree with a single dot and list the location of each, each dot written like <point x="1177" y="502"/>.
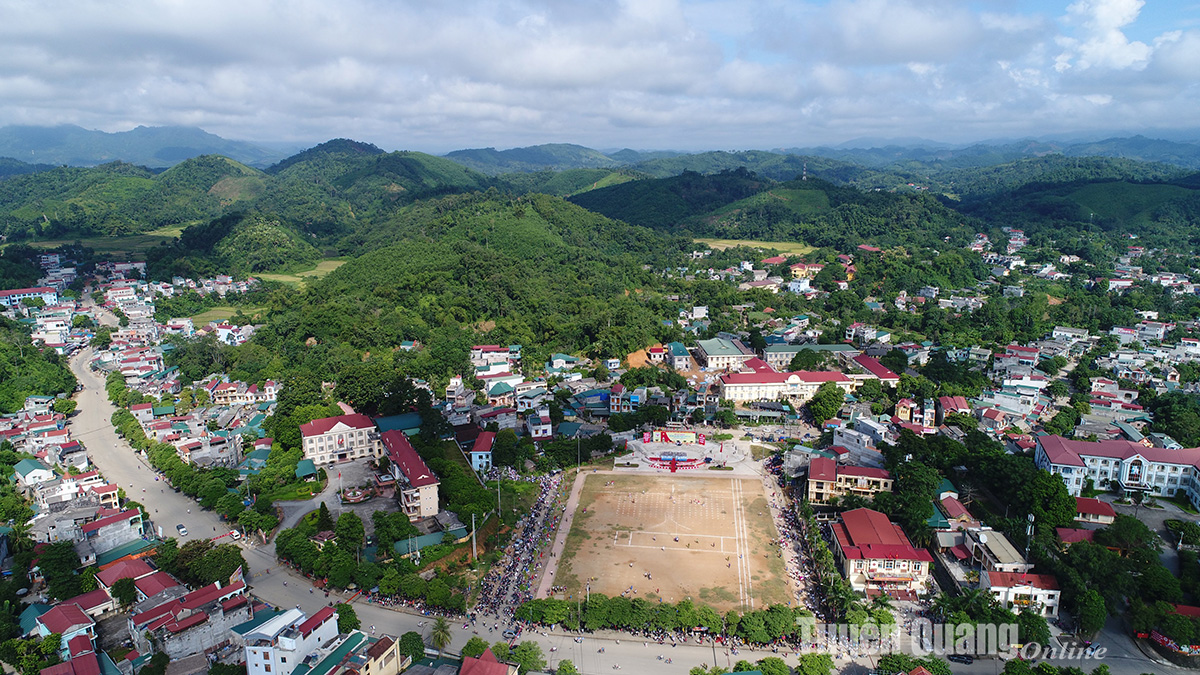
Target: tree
<point x="773" y="665"/>
<point x="566" y="667"/>
<point x="814" y="664"/>
<point x="529" y="656"/>
<point x="324" y="519"/>
<point x="412" y="645"/>
<point x="66" y="406"/>
<point x="124" y="591"/>
<point x="1092" y="613"/>
<point x="1058" y="389"/>
<point x="826" y="403"/>
<point x="350" y="532"/>
<point x="474" y="647"/>
<point x="1032" y="627"/>
<point x="347" y="618"/>
<point x="439" y="635"/>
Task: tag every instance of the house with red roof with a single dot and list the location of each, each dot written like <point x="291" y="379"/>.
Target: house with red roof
<point x="876" y="554"/>
<point x="1090" y="510"/>
<point x="876" y="370"/>
<point x="280" y="644"/>
<point x="194" y="623"/>
<point x="1023" y="592"/>
<point x="416" y="484"/>
<point x="486" y="664"/>
<point x="340" y="439"/>
<point x="480" y="452"/>
<point x="135" y="569"/>
<point x="1074" y="535"/>
<point x="827" y="480"/>
<point x="69" y="621"/>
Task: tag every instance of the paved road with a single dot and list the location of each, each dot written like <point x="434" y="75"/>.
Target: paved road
<point x="279" y="587"/>
<point x="120" y="464"/>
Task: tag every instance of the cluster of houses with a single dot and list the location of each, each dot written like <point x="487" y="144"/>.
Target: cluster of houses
<point x="877" y="557"/>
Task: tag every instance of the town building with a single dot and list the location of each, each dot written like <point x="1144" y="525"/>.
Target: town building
<point x="875" y="553"/>
<point x="340" y="439"/>
<point x="1038" y="593"/>
<point x="828" y="481"/>
<point x="1121" y="464"/>
<point x="416" y="485"/>
<point x="722" y="354"/>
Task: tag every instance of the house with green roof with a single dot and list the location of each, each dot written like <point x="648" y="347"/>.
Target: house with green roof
<point x="306" y="469"/>
<point x="30" y="472"/>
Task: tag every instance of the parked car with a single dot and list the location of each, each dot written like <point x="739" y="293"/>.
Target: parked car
<point x="235" y="535"/>
<point x="181" y="530"/>
<point x="960" y="658"/>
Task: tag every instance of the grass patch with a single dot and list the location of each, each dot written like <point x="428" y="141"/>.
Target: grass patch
<point x="296" y="491"/>
<point x="720" y="468"/>
<point x="223" y="312"/>
<point x="758" y="452"/>
<point x="721" y="437"/>
<point x="322" y="269"/>
<point x="1180" y="502"/>
<point x="784" y="247"/>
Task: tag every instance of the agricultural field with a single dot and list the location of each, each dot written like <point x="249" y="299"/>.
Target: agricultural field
<point x="784" y="247"/>
<point x="299" y="278"/>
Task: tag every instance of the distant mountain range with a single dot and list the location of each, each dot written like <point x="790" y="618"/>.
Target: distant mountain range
<point x="904" y="160"/>
<point x="153" y="147"/>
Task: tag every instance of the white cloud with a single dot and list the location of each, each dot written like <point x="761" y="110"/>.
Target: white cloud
<point x="640" y="73"/>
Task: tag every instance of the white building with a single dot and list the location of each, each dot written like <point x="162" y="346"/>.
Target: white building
<point x="280" y="644"/>
<point x="340" y="439"/>
<point x="1023" y="592"/>
<point x="1130" y="465"/>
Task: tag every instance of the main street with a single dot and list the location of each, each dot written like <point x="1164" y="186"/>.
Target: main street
<point x="280" y="587"/>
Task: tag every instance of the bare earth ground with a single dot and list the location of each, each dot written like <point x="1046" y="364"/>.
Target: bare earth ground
<point x="724" y="556"/>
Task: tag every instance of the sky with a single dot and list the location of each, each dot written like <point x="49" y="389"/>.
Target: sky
<point x="608" y="74"/>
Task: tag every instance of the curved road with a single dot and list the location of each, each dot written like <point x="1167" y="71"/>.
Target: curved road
<point x="277" y="586"/>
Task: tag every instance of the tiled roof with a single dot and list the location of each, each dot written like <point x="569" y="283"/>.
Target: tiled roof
<point x="62" y="618"/>
<point x="1094" y="507"/>
<point x="126" y="568"/>
<point x="822" y="468"/>
<point x="402" y="454"/>
<point x="1045" y="582"/>
<point x="322" y="426"/>
<point x="122" y="517"/>
<point x="154" y="584"/>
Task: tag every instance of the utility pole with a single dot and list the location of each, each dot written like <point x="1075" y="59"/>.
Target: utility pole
<point x="474" y="550"/>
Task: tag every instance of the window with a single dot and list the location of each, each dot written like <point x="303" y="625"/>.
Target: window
<point x="283" y="659"/>
<point x="889" y="565"/>
<point x="267" y="668"/>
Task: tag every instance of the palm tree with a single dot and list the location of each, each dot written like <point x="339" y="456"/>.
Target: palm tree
<point x="440" y="634"/>
<point x="19" y="538"/>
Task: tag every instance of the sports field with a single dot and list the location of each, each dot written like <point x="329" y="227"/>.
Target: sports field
<point x="675" y="537"/>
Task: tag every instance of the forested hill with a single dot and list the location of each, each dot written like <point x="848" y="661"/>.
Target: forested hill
<point x="740" y="205"/>
<point x="554" y="156"/>
<point x="535" y="271"/>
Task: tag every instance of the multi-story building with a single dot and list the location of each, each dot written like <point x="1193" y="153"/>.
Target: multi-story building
<point x="721" y="354"/>
<point x="282" y="643"/>
<point x="875" y="553"/>
<point x="768" y="385"/>
<point x="1038" y="593"/>
<point x="340" y="439"/>
<point x="46" y="294"/>
<point x="1122" y="464"/>
<point x="416" y="484"/>
<point x="828" y="481"/>
<point x="480" y="453"/>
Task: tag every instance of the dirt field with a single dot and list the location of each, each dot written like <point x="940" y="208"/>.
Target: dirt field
<point x="724" y="556"/>
<point x="784" y="247"/>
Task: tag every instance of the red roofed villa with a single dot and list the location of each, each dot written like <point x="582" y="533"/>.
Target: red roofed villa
<point x="875" y="554"/>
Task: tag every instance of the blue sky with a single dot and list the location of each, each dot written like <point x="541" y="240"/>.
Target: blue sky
<point x="679" y="74"/>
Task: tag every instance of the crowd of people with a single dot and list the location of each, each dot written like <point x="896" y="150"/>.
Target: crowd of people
<point x="512" y="581"/>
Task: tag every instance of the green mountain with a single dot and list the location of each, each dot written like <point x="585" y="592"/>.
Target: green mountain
<point x="565" y="183"/>
<point x="145" y="146"/>
<point x="15" y="167"/>
<point x="987" y="181"/>
<point x="554" y="156"/>
<point x="1160" y="214"/>
<point x="663" y="203"/>
<point x="537" y="271"/>
<point x="740" y="205"/>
